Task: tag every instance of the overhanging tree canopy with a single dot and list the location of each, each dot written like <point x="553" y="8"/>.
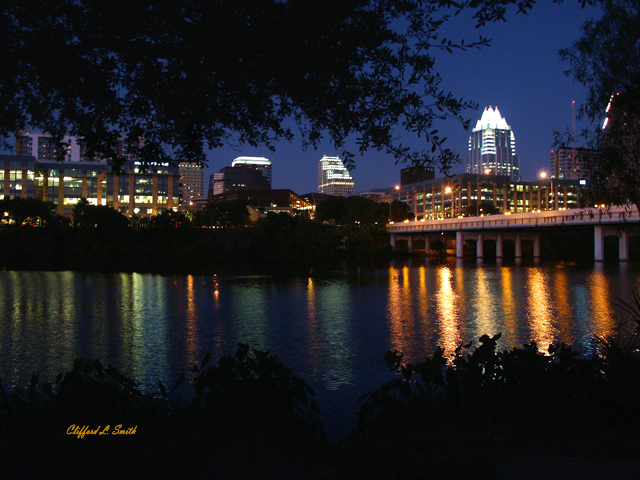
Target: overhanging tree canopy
<point x="606" y="59"/>
<point x="187" y="76"/>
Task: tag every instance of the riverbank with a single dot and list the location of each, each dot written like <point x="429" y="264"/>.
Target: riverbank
<point x="491" y="414"/>
<point x="277" y="242"/>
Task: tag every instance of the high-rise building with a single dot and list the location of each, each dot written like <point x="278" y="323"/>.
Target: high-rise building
<point x="415" y="174"/>
<point x="569" y="165"/>
<point x="257" y="163"/>
<point x="43" y="147"/>
<point x="191" y="180"/>
<point x="333" y="177"/>
<point x="492" y="146"/>
<point x="231" y="179"/>
<point x="132" y="189"/>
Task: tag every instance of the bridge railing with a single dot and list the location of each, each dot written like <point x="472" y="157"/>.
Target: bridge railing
<point x="576" y="216"/>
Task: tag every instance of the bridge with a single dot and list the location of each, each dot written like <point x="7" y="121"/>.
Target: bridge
<point x="617" y="221"/>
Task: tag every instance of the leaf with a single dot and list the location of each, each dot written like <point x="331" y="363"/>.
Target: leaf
<point x="392" y="359"/>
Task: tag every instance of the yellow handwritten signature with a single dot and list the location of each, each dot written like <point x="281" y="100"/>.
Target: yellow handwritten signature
<point x="81" y="431"/>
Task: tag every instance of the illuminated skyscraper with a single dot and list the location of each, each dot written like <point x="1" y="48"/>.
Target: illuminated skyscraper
<point x="191" y="180"/>
<point x="564" y="165"/>
<point x="333" y="178"/>
<point x="492" y="146"/>
<point x="257" y="163"/>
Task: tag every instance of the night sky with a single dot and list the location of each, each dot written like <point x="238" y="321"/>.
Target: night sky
<point x="520" y="73"/>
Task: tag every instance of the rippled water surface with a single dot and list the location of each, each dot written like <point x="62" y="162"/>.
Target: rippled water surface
<point x="332" y="332"/>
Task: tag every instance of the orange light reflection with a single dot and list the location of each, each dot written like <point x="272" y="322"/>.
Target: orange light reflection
<point x="541" y="309"/>
<point x="448" y="308"/>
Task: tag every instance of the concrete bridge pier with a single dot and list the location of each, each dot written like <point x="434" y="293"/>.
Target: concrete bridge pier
<point x="459" y="242"/>
<point x="624" y="246"/>
<point x="536" y="246"/>
<point x="600" y="232"/>
<point x="598" y="243"/>
<point x="499" y="249"/>
<point x="479" y="246"/>
<point x="518" y="247"/>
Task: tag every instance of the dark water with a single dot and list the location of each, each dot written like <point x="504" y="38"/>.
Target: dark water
<point x="332" y="332"/>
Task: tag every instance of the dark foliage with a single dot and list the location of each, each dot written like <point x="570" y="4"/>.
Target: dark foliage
<point x="400" y="212"/>
<point x="98" y="217"/>
<point x="606" y="59"/>
<point x="222" y="215"/>
<point x="352" y="210"/>
<point x="520" y="386"/>
<point x="186" y="75"/>
<point x="88" y="393"/>
<point x="251" y="417"/>
<point x="482" y="209"/>
<point x="168" y="220"/>
<point x="253" y="389"/>
<point x="28" y="210"/>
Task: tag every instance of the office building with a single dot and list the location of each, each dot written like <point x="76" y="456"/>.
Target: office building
<point x="492" y="147"/>
<point x="34" y="172"/>
<point x="467" y="195"/>
<point x="567" y="164"/>
<point x="333" y="177"/>
<point x="44" y="148"/>
<point x="191" y="181"/>
<point x="231" y="179"/>
<point x="145" y="192"/>
<point x="416" y="173"/>
<point x="260" y="164"/>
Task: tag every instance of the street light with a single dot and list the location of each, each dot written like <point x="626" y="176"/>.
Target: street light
<point x="487" y="171"/>
<point x="544" y="175"/>
<point x="397" y="187"/>
<point x="447" y="190"/>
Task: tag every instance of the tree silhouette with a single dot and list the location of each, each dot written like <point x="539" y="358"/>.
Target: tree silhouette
<point x="606" y="59"/>
<point x="186" y="76"/>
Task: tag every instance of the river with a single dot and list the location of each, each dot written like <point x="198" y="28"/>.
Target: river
<point x="333" y="332"/>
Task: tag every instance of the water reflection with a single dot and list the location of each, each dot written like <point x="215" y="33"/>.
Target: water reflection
<point x="563" y="311"/>
<point x="332" y="331"/>
<point x="447" y="307"/>
<point x="540" y="308"/>
<point x="313" y="329"/>
<point x="485" y="305"/>
<point x="509" y="321"/>
<point x="400" y="309"/>
<point x="602" y="314"/>
<point x="334" y="301"/>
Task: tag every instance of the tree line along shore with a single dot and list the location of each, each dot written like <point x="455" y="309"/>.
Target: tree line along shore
<point x="219" y="238"/>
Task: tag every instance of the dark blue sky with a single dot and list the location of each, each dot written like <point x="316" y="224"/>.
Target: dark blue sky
<point x="520" y="73"/>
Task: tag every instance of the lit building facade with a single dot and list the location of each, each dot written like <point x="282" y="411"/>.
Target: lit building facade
<point x="33" y="172"/>
<point x="467" y="195"/>
<point x="569" y="164"/>
<point x="492" y="147"/>
<point x="268" y="200"/>
<point x="334" y="178"/>
<point x="191" y="181"/>
<point x="260" y="164"/>
<point x="231" y="179"/>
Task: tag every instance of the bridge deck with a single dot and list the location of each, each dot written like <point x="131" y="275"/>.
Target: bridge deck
<point x="576" y="217"/>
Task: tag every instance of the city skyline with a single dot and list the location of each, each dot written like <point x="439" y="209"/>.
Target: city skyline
<point x="520" y="73"/>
